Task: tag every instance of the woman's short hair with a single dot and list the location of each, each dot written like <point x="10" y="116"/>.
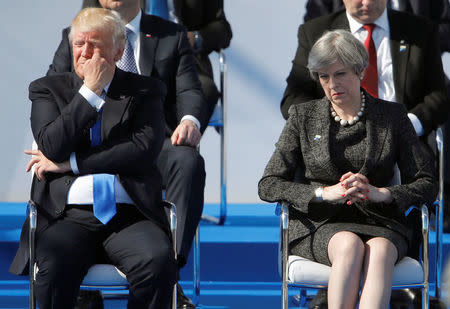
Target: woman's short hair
<point x="337" y="46"/>
<point x="92" y="19"/>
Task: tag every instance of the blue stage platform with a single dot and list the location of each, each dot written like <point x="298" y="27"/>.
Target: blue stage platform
<point x="238" y="260"/>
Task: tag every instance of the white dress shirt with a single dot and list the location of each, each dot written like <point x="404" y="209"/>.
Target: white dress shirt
<point x="81" y="190"/>
<point x="381" y="39"/>
<point x="135" y="26"/>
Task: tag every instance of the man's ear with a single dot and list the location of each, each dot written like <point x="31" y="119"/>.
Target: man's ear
<point x="119" y="54"/>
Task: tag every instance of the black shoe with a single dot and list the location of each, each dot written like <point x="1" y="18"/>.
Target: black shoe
<point x="183" y="302"/>
<point x="89" y="300"/>
<point x="319" y="301"/>
<point x="404" y="299"/>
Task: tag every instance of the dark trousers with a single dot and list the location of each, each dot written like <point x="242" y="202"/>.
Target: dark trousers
<point x="135" y="245"/>
<point x="183" y="172"/>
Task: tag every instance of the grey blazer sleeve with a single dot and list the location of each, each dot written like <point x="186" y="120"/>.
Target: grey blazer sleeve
<point x="278" y="182"/>
<point x="416" y="164"/>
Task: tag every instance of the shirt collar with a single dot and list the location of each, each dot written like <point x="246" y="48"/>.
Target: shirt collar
<point x="381" y="22"/>
<point x="135" y="24"/>
<point x="106" y="88"/>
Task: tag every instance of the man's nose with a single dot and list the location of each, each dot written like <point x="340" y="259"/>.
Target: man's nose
<point x="87" y="51"/>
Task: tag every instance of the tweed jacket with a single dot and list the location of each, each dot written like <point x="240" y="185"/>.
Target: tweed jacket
<point x="302" y="162"/>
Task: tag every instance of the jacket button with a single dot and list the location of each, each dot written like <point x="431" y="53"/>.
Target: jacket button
<point x="58" y="212"/>
<point x="67" y="182"/>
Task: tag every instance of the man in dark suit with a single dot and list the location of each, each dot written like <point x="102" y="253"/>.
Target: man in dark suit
<point x="409" y="64"/>
<point x="162" y="50"/>
<point x="99" y="131"/>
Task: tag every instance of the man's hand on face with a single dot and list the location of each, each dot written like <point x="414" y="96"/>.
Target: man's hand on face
<point x="186" y="134"/>
<point x="98" y="73"/>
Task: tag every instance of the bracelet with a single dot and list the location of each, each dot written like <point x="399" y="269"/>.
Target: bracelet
<point x="318" y="192"/>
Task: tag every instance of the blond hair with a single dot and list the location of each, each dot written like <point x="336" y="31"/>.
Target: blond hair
<point x="92" y="19"/>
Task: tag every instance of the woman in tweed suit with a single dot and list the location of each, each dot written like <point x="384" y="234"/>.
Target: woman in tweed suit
<point x="334" y="163"/>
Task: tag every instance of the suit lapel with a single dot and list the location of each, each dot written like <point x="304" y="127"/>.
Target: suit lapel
<point x="116" y="104"/>
<point x="148" y="43"/>
<point x="376" y="129"/>
<point x="400" y="54"/>
<point x="340" y="22"/>
<point x="318" y="134"/>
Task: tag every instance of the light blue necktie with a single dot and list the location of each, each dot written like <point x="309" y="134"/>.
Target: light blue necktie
<point x="103" y="184"/>
<point x="127" y="62"/>
<point x="159" y="8"/>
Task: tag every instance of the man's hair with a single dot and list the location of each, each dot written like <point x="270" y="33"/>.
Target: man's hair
<point x="337" y="46"/>
<point x="94" y="19"/>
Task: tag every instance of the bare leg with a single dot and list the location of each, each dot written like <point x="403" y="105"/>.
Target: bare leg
<point x="346" y="253"/>
<point x="379" y="259"/>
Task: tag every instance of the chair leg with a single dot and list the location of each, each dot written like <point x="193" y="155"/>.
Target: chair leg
<point x="196" y="279"/>
<point x="425" y="297"/>
<point x="284" y="296"/>
<point x="174" y="296"/>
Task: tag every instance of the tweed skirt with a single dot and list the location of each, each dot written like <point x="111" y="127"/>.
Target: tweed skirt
<point x="315" y="246"/>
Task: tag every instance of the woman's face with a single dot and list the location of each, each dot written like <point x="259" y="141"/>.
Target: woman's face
<point x="340" y="84"/>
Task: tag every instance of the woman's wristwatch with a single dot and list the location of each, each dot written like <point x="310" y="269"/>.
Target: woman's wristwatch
<point x="318" y="193"/>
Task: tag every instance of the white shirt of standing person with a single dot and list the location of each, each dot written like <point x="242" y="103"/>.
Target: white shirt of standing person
<point x="135" y="26"/>
<point x="381" y="39"/>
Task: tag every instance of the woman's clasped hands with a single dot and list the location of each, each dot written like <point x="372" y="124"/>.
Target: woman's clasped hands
<point x="355" y="187"/>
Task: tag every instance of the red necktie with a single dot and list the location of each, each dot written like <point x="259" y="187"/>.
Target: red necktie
<point x="370" y="81"/>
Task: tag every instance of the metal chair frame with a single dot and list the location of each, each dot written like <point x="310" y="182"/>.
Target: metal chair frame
<point x="219" y="124"/>
<point x="283" y="211"/>
<point x="32" y="214"/>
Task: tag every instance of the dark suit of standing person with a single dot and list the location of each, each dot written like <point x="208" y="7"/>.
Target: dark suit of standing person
<point x="95" y="127"/>
<point x="162" y="50"/>
<point x="437" y="11"/>
<point x="417" y="77"/>
<point x="208" y="31"/>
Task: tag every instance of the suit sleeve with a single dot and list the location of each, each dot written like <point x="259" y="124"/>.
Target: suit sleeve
<point x="440" y="10"/>
<point x="216" y="33"/>
<point x="62" y="60"/>
<point x="134" y="154"/>
<point x="56" y="129"/>
<point x="300" y="86"/>
<point x="189" y="96"/>
<point x="277" y="183"/>
<point x="316" y="8"/>
<point x="416" y="166"/>
<point x="432" y="109"/>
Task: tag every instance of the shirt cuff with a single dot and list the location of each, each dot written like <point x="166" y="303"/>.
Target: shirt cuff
<point x="416" y="124"/>
<point x="73" y="163"/>
<point x="190" y="117"/>
<point x="93" y="99"/>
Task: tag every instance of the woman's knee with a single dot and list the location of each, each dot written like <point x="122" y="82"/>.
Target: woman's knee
<point x="381" y="250"/>
<point x="345" y="245"/>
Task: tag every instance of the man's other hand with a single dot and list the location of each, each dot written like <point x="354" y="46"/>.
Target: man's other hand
<point x="186" y="134"/>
